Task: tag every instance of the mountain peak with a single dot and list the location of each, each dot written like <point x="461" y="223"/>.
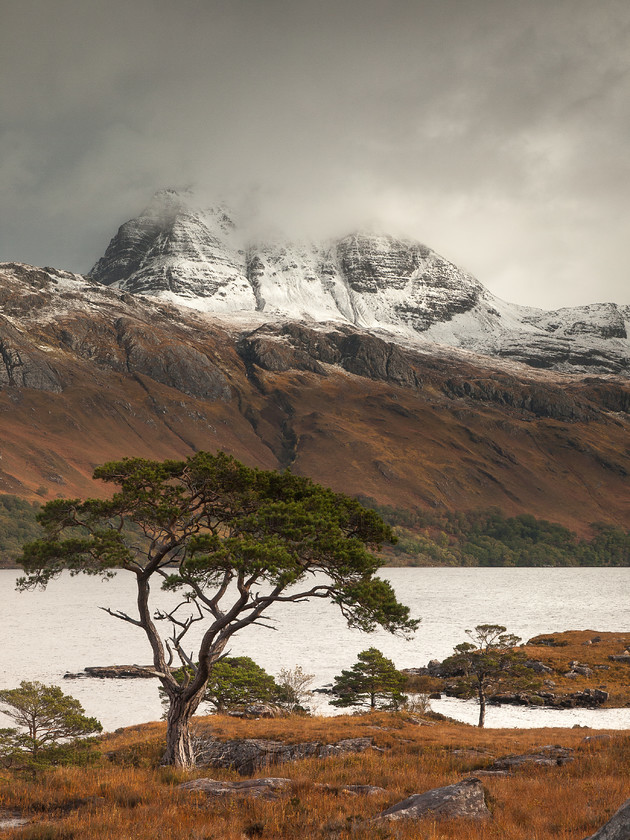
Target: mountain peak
<point x="200" y="257"/>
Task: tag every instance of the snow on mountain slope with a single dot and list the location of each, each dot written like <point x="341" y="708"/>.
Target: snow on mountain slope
<point x="201" y="259"/>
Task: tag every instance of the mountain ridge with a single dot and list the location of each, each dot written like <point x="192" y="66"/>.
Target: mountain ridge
<point x="90" y="373"/>
<point x="202" y="259"/>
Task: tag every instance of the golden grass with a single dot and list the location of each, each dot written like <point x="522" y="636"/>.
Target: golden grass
<point x="614" y="678"/>
<point x="125" y="794"/>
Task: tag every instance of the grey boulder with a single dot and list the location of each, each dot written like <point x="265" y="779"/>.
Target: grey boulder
<point x="464" y="799"/>
<point x="269" y="788"/>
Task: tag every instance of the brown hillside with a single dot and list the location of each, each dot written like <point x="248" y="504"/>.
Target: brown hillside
<point x="89" y="374"/>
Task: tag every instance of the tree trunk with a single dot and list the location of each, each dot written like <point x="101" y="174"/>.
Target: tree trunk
<point x="179" y="748"/>
<point x="482" y="707"/>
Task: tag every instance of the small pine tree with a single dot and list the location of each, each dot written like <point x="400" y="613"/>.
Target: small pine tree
<point x="372" y="681"/>
<point x="488" y="663"/>
<point x="238" y="681"/>
<point x="46" y="717"/>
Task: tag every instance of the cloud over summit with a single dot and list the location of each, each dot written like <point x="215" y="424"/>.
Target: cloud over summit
<point x="497" y="132"/>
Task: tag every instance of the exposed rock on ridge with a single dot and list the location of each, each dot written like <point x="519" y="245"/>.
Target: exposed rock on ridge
<point x="200" y="258"/>
<point x="91" y="373"/>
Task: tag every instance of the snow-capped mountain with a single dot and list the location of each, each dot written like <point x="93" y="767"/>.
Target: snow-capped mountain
<point x="90" y="373"/>
<point x="200" y="258"/>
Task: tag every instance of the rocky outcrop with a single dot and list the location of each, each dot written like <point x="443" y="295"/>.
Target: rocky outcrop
<point x="114" y="672"/>
<point x="548" y="756"/>
<point x="175" y="364"/>
<point x="465" y="800"/>
<point x="270" y="788"/>
<point x="248" y="755"/>
<point x="589" y="698"/>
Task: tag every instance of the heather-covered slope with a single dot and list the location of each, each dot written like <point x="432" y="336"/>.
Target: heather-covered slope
<point x="90" y="373"/>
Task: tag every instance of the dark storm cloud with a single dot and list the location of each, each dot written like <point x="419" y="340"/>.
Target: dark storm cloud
<point x="495" y="131"/>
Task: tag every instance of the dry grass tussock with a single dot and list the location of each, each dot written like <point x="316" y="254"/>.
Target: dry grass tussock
<point x="125" y="794"/>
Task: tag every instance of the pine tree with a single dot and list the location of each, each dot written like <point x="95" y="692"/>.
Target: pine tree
<point x="372" y="681"/>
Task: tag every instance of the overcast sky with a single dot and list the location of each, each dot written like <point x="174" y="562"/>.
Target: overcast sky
<point x="495" y="131"/>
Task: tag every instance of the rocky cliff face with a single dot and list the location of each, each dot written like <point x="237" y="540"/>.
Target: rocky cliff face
<point x="90" y="373"/>
<point x="200" y="258"/>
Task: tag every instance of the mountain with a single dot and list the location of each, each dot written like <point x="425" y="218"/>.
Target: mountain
<point x="396" y="288"/>
<point x="90" y="372"/>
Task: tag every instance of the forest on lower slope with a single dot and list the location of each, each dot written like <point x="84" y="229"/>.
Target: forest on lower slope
<point x="425" y="538"/>
<point x="18" y="525"/>
<point x="490" y="538"/>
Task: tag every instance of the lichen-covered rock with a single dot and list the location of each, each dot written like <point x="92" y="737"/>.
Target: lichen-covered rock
<point x="248" y="755"/>
<point x="269" y="788"/>
<point x="465" y="799"/>
<point x="548" y="756"/>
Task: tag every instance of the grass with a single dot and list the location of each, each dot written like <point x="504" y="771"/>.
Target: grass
<point x="125" y="794"/>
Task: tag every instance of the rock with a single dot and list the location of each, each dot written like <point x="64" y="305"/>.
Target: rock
<point x="114" y="672"/>
<point x="603" y="736"/>
<point x="269" y="788"/>
<point x="258" y="710"/>
<point x="548" y="756"/>
<point x="538" y="666"/>
<point x="434" y="667"/>
<point x="590" y="697"/>
<point x="248" y="755"/>
<point x="596" y="639"/>
<point x="620" y="657"/>
<point x="617" y="827"/>
<point x="351" y="790"/>
<point x="464" y="799"/>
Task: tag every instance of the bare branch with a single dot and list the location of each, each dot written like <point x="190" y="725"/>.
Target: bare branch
<point x="122" y="616"/>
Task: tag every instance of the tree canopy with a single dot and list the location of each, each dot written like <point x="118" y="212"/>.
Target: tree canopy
<point x="45" y="717"/>
<point x="372" y="681"/>
<point x="487" y="663"/>
<point x="231" y="541"/>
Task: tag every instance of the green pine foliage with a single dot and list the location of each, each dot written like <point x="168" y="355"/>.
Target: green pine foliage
<point x="373" y="681"/>
<point x="18" y="524"/>
<point x="488" y="664"/>
<point x="237" y="681"/>
<point x="232" y="542"/>
<point x="47" y="721"/>
<point x="490" y="538"/>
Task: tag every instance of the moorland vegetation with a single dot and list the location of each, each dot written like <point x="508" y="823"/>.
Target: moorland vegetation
<point x="124" y="792"/>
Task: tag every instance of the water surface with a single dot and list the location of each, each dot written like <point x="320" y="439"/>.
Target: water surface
<point x="48" y="633"/>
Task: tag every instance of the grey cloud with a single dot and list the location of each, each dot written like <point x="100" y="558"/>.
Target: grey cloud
<point x="494" y="130"/>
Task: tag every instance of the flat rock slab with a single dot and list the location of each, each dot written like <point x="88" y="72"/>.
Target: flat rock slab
<point x="115" y="672"/>
<point x="248" y="755"/>
<point x="351" y="790"/>
<point x="12" y="819"/>
<point x="464" y="799"/>
<point x="617" y="827"/>
<point x="269" y="788"/>
<point x="549" y="756"/>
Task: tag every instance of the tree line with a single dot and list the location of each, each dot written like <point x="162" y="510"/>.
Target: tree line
<point x="424" y="538"/>
<point x="490" y="538"/>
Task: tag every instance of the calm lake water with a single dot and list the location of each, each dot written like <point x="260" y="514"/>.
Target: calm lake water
<point x="62" y="629"/>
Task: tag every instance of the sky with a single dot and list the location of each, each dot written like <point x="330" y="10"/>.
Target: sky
<point x="497" y="132"/>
